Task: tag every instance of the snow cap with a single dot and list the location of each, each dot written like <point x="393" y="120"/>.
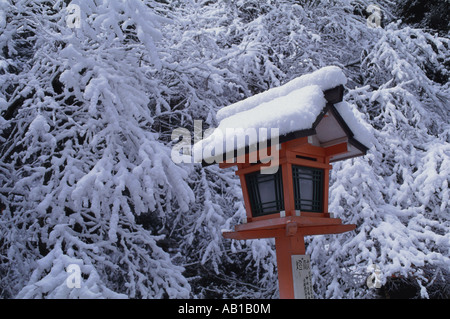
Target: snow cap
<point x="301" y="107"/>
<point x="325" y="78"/>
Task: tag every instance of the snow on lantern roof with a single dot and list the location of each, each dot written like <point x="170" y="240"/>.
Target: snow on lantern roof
<point x="310" y="105"/>
<point x="326" y="78"/>
<point x="294" y="111"/>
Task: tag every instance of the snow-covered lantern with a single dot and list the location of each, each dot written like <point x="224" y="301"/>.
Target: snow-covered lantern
<point x="283" y="142"/>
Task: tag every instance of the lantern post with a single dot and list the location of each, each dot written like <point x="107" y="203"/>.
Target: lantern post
<point x="290" y="200"/>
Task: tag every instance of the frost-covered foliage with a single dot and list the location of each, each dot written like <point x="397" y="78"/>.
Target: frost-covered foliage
<point x="398" y="194"/>
<point x="83" y="159"/>
<point x="86" y="120"/>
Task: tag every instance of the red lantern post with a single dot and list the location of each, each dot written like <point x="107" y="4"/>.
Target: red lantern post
<point x="285" y="180"/>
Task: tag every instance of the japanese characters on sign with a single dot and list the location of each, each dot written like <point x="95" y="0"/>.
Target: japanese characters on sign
<point x="302" y="278"/>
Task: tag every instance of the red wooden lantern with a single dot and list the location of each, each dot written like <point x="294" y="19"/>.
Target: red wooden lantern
<point x="285" y="174"/>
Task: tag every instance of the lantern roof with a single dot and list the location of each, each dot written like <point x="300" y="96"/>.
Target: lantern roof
<point x="310" y="105"/>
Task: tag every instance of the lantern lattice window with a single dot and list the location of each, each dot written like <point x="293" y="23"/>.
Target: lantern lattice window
<point x="308" y="188"/>
<point x="266" y="193"/>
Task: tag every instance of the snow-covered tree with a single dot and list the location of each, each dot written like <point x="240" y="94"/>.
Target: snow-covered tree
<point x="85" y="162"/>
<point x="87" y="114"/>
<point x="398" y="194"/>
<point x="87" y="111"/>
<point x="205" y="53"/>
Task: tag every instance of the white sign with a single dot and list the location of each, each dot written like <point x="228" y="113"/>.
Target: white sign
<point x="301" y="273"/>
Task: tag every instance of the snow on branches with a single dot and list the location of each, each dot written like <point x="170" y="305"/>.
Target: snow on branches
<point x="88" y="105"/>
